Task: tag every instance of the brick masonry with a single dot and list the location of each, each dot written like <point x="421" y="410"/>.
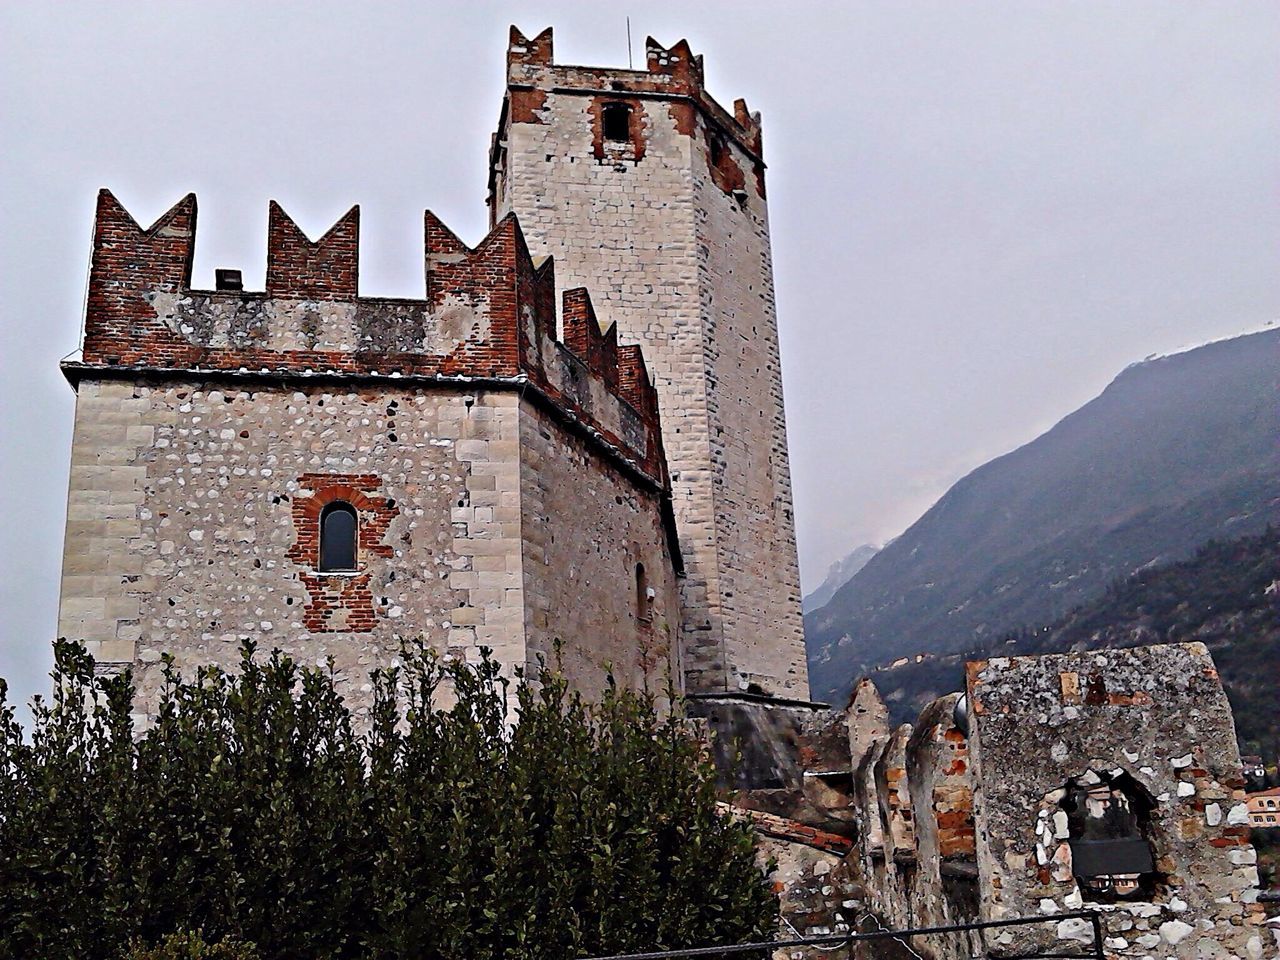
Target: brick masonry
<point x="669" y="229"/>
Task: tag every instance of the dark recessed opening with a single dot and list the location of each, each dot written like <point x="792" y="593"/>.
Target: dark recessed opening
<point x="228" y="280"/>
<point x="715" y="148"/>
<point x="617" y="122"/>
<point x="644" y="595"/>
<point x="338" y="538"/>
<point x="1109" y="825"/>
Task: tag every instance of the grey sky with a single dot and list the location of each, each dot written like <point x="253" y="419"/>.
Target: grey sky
<point x="981" y="211"/>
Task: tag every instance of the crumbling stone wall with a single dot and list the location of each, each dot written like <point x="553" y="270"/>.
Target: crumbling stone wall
<point x="945" y="886"/>
<point x="819" y="895"/>
<point x="506" y="487"/>
<point x="987" y="833"/>
<point x="1155" y="717"/>
<point x="670" y="229"/>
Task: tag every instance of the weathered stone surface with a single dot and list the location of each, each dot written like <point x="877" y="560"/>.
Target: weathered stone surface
<point x="1152" y="722"/>
<point x="483" y="547"/>
<point x="669" y="229"/>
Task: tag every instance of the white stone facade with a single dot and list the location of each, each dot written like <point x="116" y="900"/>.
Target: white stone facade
<point x="507" y="532"/>
<point x="669" y="229"/>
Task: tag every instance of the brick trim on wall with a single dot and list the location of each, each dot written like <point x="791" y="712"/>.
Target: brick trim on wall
<point x="340" y="602"/>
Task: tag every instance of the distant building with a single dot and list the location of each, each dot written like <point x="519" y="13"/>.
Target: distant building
<point x="1264" y="808"/>
<point x="1253" y="767"/>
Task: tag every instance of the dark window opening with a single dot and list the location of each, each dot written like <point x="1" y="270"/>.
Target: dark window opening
<point x="715" y="148"/>
<point x="616" y="119"/>
<point x="338" y="526"/>
<point x="1109" y="827"/>
<point x="644" y="595"/>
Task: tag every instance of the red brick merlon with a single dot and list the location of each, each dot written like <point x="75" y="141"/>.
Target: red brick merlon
<point x="488" y="320"/>
<point x="792" y="831"/>
<point x="671" y="73"/>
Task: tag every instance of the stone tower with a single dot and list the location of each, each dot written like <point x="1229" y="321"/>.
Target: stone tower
<point x="649" y="192"/>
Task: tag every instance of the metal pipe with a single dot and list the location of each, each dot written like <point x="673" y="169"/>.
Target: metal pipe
<point x="839" y="939"/>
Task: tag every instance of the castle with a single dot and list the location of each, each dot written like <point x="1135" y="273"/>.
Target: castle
<point x="602" y="477"/>
<point x="331" y="473"/>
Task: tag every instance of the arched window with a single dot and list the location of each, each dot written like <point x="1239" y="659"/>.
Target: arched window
<point x="644" y="600"/>
<point x="616" y="120"/>
<point x="338" y="526"/>
<point x="1108" y="821"/>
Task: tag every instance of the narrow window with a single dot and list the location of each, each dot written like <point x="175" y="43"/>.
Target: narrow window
<point x="715" y="148"/>
<point x="338" y="538"/>
<point x="644" y="596"/>
<point x="617" y="122"/>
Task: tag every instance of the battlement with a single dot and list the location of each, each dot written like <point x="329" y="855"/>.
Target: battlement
<point x="489" y="315"/>
<point x="671" y="73"/>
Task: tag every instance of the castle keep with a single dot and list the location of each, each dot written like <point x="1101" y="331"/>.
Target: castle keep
<point x="332" y="474"/>
<point x="494" y="485"/>
<point x="651" y="194"/>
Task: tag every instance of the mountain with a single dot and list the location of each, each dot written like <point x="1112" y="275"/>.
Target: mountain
<point x="1175" y="452"/>
<point x="838" y="574"/>
<point x="1226" y="597"/>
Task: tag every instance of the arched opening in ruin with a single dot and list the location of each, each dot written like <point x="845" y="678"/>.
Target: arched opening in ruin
<point x="1109" y="834"/>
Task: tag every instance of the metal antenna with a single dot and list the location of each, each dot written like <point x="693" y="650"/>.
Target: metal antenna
<point x="630" y="65"/>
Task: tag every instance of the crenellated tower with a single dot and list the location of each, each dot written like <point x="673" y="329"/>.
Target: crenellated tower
<point x="334" y="474"/>
<point x="650" y="193"/>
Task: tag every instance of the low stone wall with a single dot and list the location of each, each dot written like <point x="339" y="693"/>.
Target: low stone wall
<point x="1013" y="799"/>
<point x="1145" y="736"/>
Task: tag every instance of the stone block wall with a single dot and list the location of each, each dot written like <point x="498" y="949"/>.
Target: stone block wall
<point x="1151" y="721"/>
<point x="1002" y="784"/>
<point x="505" y="486"/>
<point x="669" y="229"/>
<point x="599" y="577"/>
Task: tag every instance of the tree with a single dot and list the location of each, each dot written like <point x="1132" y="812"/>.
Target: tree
<point x="517" y="822"/>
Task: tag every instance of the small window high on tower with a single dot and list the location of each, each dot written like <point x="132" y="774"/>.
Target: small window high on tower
<point x="338" y="527"/>
<point x="616" y="120"/>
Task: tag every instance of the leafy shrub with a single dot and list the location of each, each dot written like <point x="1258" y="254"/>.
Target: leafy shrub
<point x="518" y="822"/>
<point x="192" y="946"/>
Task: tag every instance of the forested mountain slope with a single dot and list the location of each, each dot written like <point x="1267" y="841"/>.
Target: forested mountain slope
<point x="1175" y="452"/>
<point x="1226" y="597"/>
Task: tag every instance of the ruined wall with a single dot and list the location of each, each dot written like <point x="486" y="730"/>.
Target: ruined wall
<point x="944" y="889"/>
<point x="213" y="427"/>
<point x="1004" y="802"/>
<point x="1154" y="719"/>
<point x="675" y="245"/>
<point x="818" y="894"/>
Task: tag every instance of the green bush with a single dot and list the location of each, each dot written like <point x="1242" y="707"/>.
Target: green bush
<point x="520" y="822"/>
<point x="192" y="946"/>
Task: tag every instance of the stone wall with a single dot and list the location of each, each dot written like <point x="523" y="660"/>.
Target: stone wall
<point x="506" y="484"/>
<point x="669" y="229"/>
<point x="586" y="532"/>
<point x="977" y="811"/>
<point x="1151" y="720"/>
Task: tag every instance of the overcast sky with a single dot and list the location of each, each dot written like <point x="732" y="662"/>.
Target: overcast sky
<point x="981" y="211"/>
